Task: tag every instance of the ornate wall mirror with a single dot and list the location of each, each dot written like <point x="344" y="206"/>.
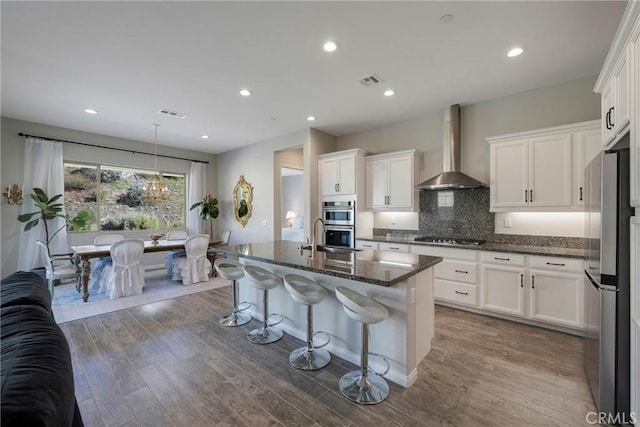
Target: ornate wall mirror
<point x="242" y="198"/>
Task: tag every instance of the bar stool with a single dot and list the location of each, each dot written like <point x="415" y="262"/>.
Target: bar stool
<point x="263" y="280"/>
<point x="232" y="270"/>
<point x="363" y="386"/>
<point x="306" y="291"/>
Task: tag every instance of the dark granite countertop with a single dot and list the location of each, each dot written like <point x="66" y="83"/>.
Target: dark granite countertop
<point x="375" y="267"/>
<point x="492" y="247"/>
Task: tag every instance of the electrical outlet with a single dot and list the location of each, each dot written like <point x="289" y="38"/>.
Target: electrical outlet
<point x="265" y="223"/>
<point x="507" y="223"/>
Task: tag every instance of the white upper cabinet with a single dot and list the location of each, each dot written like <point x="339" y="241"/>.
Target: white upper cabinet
<point x="339" y="172"/>
<point x="391" y="181"/>
<point x="616" y="100"/>
<point x="541" y="170"/>
<point x="634" y="53"/>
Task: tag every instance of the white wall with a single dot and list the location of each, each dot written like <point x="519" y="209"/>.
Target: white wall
<point x="292" y="158"/>
<point x="568" y="102"/>
<point x="12" y="161"/>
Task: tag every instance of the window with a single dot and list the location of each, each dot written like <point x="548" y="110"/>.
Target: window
<point x="113" y="195"/>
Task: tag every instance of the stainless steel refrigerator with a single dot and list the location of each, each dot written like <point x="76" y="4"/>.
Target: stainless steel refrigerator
<point x="607" y="284"/>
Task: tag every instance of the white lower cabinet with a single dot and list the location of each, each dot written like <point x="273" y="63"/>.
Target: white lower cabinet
<point x="543" y="289"/>
<point x="456" y="277"/>
<point x="503" y="289"/>
<point x="556" y="298"/>
<point x="366" y="244"/>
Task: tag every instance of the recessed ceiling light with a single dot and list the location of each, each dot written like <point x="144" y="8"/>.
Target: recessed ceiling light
<point x="330" y="46"/>
<point x="245" y="92"/>
<point x="311" y="118"/>
<point x="90" y="111"/>
<point x="205" y="136"/>
<point x="445" y="19"/>
<point x="389" y="92"/>
<point x="515" y="52"/>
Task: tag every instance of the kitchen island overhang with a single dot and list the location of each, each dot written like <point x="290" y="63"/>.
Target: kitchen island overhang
<point x="403" y="283"/>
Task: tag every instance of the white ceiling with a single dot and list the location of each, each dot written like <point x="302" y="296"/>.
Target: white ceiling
<point x="129" y="59"/>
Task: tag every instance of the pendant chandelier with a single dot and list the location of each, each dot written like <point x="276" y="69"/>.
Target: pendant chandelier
<point x="155" y="191"/>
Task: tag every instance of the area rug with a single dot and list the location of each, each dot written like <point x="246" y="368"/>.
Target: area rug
<point x="67" y="302"/>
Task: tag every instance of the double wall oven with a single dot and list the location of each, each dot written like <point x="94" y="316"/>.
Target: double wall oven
<point x="340" y="221"/>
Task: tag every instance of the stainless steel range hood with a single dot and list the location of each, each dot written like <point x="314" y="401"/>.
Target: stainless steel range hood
<point x="451" y="178"/>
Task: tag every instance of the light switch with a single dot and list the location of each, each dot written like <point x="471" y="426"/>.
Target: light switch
<point x="507" y="223"/>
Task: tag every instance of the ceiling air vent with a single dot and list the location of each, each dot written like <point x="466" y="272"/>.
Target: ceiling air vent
<point x="370" y="80"/>
<point x="172" y="113"/>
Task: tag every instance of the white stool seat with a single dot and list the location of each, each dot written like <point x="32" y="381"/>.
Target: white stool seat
<point x="261" y="278"/>
<point x="361" y="308"/>
<point x="229" y="269"/>
<point x="303" y="290"/>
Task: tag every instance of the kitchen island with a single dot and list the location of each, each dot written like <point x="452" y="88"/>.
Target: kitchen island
<point x="403" y="283"/>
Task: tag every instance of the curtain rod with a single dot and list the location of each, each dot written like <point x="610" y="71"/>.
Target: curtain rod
<point x="110" y="148"/>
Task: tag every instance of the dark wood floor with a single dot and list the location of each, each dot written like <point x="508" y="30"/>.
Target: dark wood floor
<point x="170" y="364"/>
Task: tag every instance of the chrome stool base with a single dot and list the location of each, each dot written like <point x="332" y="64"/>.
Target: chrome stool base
<point x="235" y="319"/>
<point x="367" y="390"/>
<point x="265" y="335"/>
<point x="309" y="360"/>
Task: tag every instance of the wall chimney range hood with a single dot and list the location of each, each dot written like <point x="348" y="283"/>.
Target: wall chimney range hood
<point x="451" y="178"/>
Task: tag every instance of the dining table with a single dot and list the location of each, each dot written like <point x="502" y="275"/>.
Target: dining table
<point x="84" y="253"/>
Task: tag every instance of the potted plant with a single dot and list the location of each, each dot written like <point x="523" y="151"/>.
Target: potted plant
<point x="208" y="209"/>
<point x="49" y="209"/>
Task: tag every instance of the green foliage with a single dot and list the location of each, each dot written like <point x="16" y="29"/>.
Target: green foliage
<point x="49" y="209"/>
<point x="208" y="208"/>
<point x="76" y="181"/>
<point x="132" y="222"/>
<point x="109" y="176"/>
<point x="243" y="210"/>
<point x="92" y="196"/>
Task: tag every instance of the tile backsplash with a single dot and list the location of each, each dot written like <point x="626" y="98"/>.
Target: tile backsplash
<point x="456" y="213"/>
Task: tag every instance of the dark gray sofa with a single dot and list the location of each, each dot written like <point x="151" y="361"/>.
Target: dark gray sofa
<point x="37" y="386"/>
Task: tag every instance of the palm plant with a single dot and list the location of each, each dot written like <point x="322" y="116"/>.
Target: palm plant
<point x="49" y="209"/>
<point x="208" y="209"/>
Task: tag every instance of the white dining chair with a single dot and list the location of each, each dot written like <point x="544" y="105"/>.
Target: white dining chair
<point x="195" y="266"/>
<point x="101" y="263"/>
<point x="125" y="277"/>
<point x="171" y="255"/>
<point x="62" y="266"/>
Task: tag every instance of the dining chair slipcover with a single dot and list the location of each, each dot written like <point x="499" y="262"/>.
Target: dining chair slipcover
<point x="194" y="267"/>
<point x="125" y="277"/>
<point x="101" y="263"/>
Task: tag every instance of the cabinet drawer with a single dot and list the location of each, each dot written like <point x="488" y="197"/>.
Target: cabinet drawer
<point x="393" y="247"/>
<point x="457" y="271"/>
<point x="456" y="292"/>
<point x="365" y="244"/>
<point x="557" y="264"/>
<point x="502" y="258"/>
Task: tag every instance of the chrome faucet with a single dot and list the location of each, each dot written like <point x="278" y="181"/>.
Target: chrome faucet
<point x="313" y="235"/>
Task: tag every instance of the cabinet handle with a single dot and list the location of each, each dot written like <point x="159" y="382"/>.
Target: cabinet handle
<point x="461" y="271"/>
<point x="462" y="293"/>
<point x="533" y="282"/>
<point x="531" y="196"/>
<point x="388" y="200"/>
<point x="522" y="280"/>
<point x="606" y="120"/>
<point x="610" y="117"/>
<point x="502" y="259"/>
<point x="526" y="197"/>
<point x="335" y="188"/>
<point x="580" y="193"/>
<point x="561" y="264"/>
<point x="394" y="248"/>
<point x="366" y="246"/>
<point x="338" y="187"/>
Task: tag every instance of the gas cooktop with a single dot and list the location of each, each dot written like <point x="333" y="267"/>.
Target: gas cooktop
<point x="449" y="241"/>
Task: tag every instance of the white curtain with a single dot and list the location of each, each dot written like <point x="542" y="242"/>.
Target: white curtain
<point x="43" y="168"/>
<point x="197" y="175"/>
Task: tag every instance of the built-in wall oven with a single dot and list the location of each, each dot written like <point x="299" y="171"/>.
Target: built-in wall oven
<point x="340" y="223"/>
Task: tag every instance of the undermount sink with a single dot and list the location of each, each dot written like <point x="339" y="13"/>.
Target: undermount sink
<point x="332" y="249"/>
